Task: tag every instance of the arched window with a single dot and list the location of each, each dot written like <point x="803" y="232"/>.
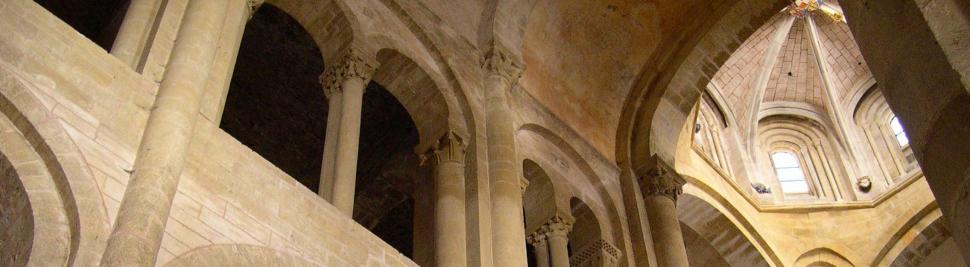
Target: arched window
<point x="789" y="172"/>
<point x="898" y="132"/>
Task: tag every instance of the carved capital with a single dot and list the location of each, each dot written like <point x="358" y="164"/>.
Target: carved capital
<point x="450" y="148"/>
<point x="661" y="180"/>
<point x="500" y="61"/>
<point x="350" y="64"/>
<point x="559" y="225"/>
<point x="253" y="5"/>
<point x="538" y="238"/>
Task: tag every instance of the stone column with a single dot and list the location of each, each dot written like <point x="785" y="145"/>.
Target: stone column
<point x="449" y="201"/>
<point x="224" y="65"/>
<point x="541" y="248"/>
<point x="147" y="201"/>
<point x="350" y="74"/>
<point x="660" y="186"/>
<point x="334" y="96"/>
<point x="558" y="234"/>
<point x="132" y="39"/>
<point x="502" y="71"/>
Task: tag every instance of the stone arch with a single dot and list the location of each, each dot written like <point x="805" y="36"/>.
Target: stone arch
<point x="814" y="146"/>
<point x="928" y="87"/>
<point x="331" y="23"/>
<point x="542" y="197"/>
<point x="412" y="41"/>
<point x="557" y="157"/>
<point x="238" y="255"/>
<point x="416" y="91"/>
<point x="822" y="257"/>
<point x="709" y="224"/>
<point x="699" y="189"/>
<point x="45" y="217"/>
<point x="929" y="239"/>
<point x="503" y="23"/>
<point x="659" y="104"/>
<point x="915" y="239"/>
<point x="85" y="215"/>
<point x="586" y="243"/>
<point x="16" y="217"/>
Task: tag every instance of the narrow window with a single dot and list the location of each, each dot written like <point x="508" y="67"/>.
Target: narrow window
<point x="790" y="174"/>
<point x="897" y="129"/>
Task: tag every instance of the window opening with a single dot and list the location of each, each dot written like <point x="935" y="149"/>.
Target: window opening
<point x="789" y="172"/>
<point x="898" y="132"/>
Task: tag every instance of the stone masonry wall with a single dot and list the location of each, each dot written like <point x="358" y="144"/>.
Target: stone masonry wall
<point x="228" y="194"/>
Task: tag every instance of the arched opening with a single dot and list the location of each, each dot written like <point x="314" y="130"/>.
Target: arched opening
<point x="389" y="178"/>
<point x="16" y="218"/>
<point x="700" y="252"/>
<point x="711" y="237"/>
<point x="538" y="206"/>
<point x="587" y="246"/>
<point x="277" y="107"/>
<point x="933" y="246"/>
<point x="99" y="20"/>
<point x="275" y="104"/>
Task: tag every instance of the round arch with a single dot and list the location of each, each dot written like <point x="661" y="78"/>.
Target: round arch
<point x="717" y="230"/>
<point x="562" y="162"/>
<point x="660" y="104"/>
<point x="56" y="156"/>
<point x="344" y="28"/>
<point x="822" y="257"/>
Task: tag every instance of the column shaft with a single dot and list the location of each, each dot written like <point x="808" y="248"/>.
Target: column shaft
<point x="660" y="186"/>
<point x="665" y="227"/>
<point x="559" y="248"/>
<point x="132" y="38"/>
<point x="345" y="168"/>
<point x="330" y="145"/>
<point x="508" y="231"/>
<point x="449" y="204"/>
<point x="541" y="247"/>
<point x="224" y="64"/>
<point x="147" y="201"/>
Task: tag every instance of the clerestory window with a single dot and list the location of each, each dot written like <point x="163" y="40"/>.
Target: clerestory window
<point x="898" y="132"/>
<point x="789" y="172"/>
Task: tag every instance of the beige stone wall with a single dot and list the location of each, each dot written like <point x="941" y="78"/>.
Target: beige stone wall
<point x="228" y="195"/>
<point x="91" y="110"/>
<point x="859" y="231"/>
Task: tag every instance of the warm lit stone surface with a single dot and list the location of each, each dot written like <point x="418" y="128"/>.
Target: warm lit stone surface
<point x="548" y="158"/>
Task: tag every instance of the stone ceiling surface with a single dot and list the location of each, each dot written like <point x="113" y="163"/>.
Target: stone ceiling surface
<point x="582" y="56"/>
<point x="795" y="76"/>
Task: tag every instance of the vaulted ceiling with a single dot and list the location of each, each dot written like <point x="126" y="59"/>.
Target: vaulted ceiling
<point x="583" y="57"/>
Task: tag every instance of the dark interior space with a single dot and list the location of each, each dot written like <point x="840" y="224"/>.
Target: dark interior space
<point x="98" y="20"/>
<point x="277" y="107"/>
<point x="386" y="167"/>
<point x="389" y="228"/>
